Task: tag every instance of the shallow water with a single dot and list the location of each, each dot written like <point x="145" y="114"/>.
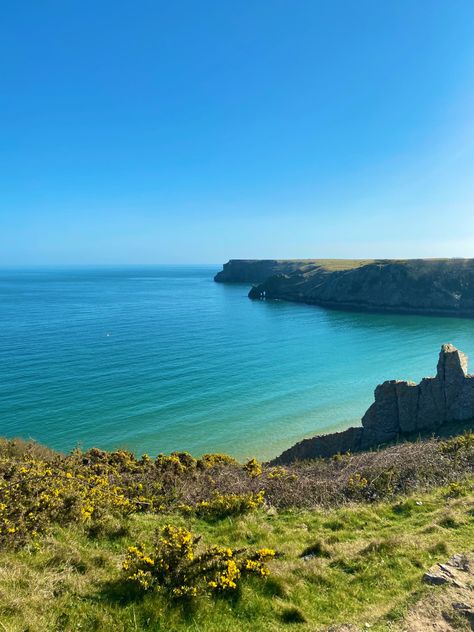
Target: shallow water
<point x="161" y="358"/>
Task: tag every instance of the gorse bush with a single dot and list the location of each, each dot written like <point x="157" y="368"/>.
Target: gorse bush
<point x="457" y="445"/>
<point x="178" y="565"/>
<point x="253" y="468"/>
<point x="176" y="462"/>
<point x="35" y="494"/>
<point x="225" y="505"/>
<point x="183" y="461"/>
<point x="281" y="473"/>
<point x="215" y="460"/>
<point x="357" y="483"/>
<point x="40" y="487"/>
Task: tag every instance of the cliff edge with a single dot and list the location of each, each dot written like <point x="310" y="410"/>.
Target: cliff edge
<point x="258" y="270"/>
<point x="424" y="286"/>
<point x="401" y="409"/>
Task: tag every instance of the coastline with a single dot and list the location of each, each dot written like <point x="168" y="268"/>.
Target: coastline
<point x="266" y="369"/>
<point x="442" y="287"/>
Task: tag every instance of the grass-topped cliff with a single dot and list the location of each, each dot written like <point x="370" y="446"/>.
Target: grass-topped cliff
<point x="258" y="270"/>
<point x="106" y="541"/>
<point x="432" y="286"/>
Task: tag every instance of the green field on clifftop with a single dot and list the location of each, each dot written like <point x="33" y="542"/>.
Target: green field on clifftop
<point x="347" y="540"/>
<point x="367" y="567"/>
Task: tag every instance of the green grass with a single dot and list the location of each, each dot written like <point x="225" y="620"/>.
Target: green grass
<point x="327" y="264"/>
<point x="365" y="566"/>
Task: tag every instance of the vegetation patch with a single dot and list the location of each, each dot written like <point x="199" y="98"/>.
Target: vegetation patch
<point x="107" y="541"/>
<point x="176" y="565"/>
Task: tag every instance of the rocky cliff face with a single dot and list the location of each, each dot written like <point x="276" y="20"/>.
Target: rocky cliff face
<point x="257" y="270"/>
<point x="432" y="286"/>
<point x="401" y="408"/>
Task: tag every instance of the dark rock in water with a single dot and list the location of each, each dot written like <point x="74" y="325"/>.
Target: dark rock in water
<point x="401" y="408"/>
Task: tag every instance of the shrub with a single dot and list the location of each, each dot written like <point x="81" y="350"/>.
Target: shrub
<point x="215" y="460"/>
<point x="175" y="463"/>
<point x="40" y="487"/>
<point x="36" y="493"/>
<point x="281" y="473"/>
<point x="225" y="505"/>
<point x="357" y="483"/>
<point x="461" y="443"/>
<point x="177" y="565"/>
<point x="253" y="468"/>
<point x="456" y="490"/>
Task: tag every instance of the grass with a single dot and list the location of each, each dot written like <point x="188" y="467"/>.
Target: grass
<point x="364" y="564"/>
<point x="329" y="264"/>
<point x="333" y="265"/>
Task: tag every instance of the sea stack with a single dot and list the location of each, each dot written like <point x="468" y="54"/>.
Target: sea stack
<point x="401" y="408"/>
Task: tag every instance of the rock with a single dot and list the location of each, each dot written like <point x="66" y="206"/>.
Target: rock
<point x="452" y="365"/>
<point x="435" y="579"/>
<point x="456" y="571"/>
<point x="451" y="374"/>
<point x="399" y="409"/>
<point x="460" y="561"/>
<point x="431" y="404"/>
<point x="460" y="605"/>
<point x="382" y="420"/>
<point x="429" y="286"/>
<point x="407" y="396"/>
<point x="257" y="270"/>
<point x="322" y="446"/>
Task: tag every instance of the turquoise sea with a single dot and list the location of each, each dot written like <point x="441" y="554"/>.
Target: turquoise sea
<point x="161" y="358"/>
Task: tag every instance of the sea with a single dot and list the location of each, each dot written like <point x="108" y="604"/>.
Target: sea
<point x="161" y="358"/>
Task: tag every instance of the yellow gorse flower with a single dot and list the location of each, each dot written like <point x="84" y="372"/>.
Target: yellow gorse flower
<point x="177" y="565"/>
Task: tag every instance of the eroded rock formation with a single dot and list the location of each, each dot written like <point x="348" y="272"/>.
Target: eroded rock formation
<point x="422" y="286"/>
<point x="401" y="408"/>
<point x="258" y="270"/>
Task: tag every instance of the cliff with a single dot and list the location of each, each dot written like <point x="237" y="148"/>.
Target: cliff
<point x="425" y="286"/>
<point x="258" y="270"/>
<point x="401" y="409"/>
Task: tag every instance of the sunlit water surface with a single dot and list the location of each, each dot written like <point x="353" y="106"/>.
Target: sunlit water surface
<point x="161" y="358"/>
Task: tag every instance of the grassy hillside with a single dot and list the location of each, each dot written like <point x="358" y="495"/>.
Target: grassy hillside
<point x="340" y="541"/>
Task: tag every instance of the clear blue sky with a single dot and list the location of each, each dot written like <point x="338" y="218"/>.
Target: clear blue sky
<point x="151" y="131"/>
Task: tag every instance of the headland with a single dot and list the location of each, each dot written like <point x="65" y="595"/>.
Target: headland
<point x="419" y="286"/>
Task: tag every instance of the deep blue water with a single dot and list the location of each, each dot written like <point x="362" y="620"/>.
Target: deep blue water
<point x="161" y="358"/>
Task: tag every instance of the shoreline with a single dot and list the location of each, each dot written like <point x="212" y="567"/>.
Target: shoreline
<point x="438" y="287"/>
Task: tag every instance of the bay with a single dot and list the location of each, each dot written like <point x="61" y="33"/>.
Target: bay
<point x="162" y="358"/>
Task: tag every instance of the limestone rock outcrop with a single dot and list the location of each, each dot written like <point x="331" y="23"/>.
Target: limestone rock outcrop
<point x="258" y="270"/>
<point x="401" y="408"/>
<point x="457" y="571"/>
<point x="422" y="286"/>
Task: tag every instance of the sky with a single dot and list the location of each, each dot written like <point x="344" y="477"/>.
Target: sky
<point x="198" y="131"/>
